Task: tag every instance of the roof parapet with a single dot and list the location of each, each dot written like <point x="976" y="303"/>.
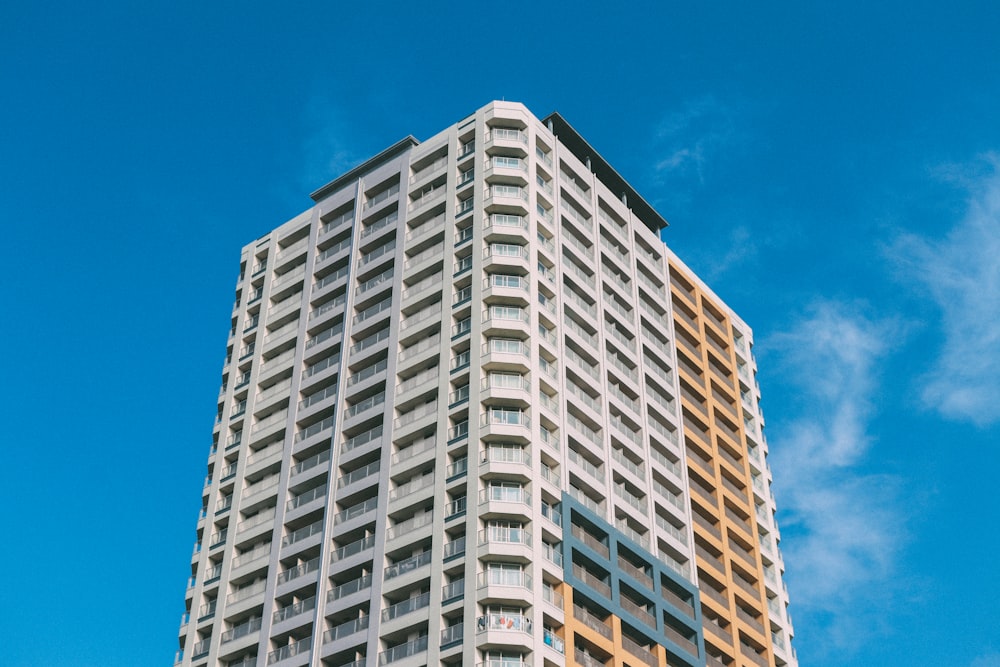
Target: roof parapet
<point x="389" y="153"/>
<point x="605" y="172"/>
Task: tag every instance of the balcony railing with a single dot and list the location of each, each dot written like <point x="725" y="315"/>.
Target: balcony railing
<point x="349" y="588"/>
<point x="401" y="651"/>
<point x="294" y="610"/>
<point x="299" y="570"/>
<point x="352" y="548"/>
<point x="355" y="511"/>
<point x="408" y="565"/>
<point x="406" y="607"/>
<point x="409" y="525"/>
<point x="591" y="621"/>
<point x="302" y="533"/>
<point x="345" y="629"/>
<point x="505" y="622"/>
<point x="496" y="577"/>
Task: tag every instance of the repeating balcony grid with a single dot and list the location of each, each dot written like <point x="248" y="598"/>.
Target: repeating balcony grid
<point x="463" y="339"/>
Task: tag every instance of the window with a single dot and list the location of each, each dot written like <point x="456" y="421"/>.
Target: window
<point x="507" y="250"/>
<point x="511" y="416"/>
<point x="506" y="531"/>
<point x="507" y="346"/>
<point x="510" y="492"/>
<point x="507" y="162"/>
<point x="504" y="452"/>
<point x="506" y="380"/>
<point x="506" y="280"/>
<point x="506" y="313"/>
<point x="514" y="191"/>
<point x="504" y="574"/>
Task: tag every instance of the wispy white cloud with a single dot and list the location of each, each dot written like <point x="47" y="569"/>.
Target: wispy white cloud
<point x="841" y="524"/>
<point x="331" y="145"/>
<point x="961" y="274"/>
<point x="689" y="138"/>
<point x="742" y="249"/>
<point x="991" y="659"/>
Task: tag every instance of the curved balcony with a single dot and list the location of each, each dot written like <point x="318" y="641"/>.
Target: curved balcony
<point x="504" y="631"/>
<point x="504" y="502"/>
<point x="508" y="137"/>
<point x="506" y="543"/>
<point x="506" y="354"/>
<point x="506" y="462"/>
<point x="510" y="227"/>
<point x="511" y="425"/>
<point x="503" y="586"/>
<point x="507" y="320"/>
<point x="506" y="288"/>
<point x="506" y="388"/>
<point x="506" y="256"/>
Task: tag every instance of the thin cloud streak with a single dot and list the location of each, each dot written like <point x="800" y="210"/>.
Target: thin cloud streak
<point x="842" y="525"/>
<point x="328" y="150"/>
<point x="991" y="659"/>
<point x="961" y="273"/>
<point x="691" y="137"/>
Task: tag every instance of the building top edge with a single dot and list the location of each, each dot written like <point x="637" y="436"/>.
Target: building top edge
<point x="604" y="171"/>
<point x="393" y="151"/>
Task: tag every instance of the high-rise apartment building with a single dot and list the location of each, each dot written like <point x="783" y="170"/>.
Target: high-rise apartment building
<point x="475" y="412"/>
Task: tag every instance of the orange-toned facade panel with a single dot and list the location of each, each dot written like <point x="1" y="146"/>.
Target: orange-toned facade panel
<point x="727" y="552"/>
<point x="592" y="641"/>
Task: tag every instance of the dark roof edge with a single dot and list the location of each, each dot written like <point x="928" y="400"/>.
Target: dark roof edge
<point x="389" y="153"/>
<point x="604" y="171"/>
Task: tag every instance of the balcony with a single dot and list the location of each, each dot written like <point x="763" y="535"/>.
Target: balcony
<point x="502" y="501"/>
<point x="403" y="528"/>
<point x="410" y="488"/>
<point x="506" y="320"/>
<point x="302" y="533"/>
<point x="407" y="565"/>
<point x="504" y="255"/>
<point x="358" y="585"/>
<point x="453" y="549"/>
<point x="305" y="498"/>
<point x="503" y="585"/>
<point x="640" y="574"/>
<point x="401" y="651"/>
<point x="452" y="635"/>
<point x="428" y="196"/>
<point x="592" y="470"/>
<point x="496" y="630"/>
<point x="256" y="555"/>
<point x="506" y="354"/>
<point x="345" y="629"/>
<point x="246" y="593"/>
<point x="643" y="653"/>
<point x="362" y="440"/>
<point x="299" y="570"/>
<point x="364" y="405"/>
<point x="594" y="543"/>
<point x="355" y="511"/>
<point x="367" y="372"/>
<point x="508" y="542"/>
<point x="362" y="473"/>
<point x="585" y="659"/>
<point x="352" y="549"/>
<point x="512" y="425"/>
<point x="314" y="429"/>
<point x="592" y="580"/>
<point x="294" y="610"/>
<point x="639" y="611"/>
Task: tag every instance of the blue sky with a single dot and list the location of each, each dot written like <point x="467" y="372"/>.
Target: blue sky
<point x="833" y="170"/>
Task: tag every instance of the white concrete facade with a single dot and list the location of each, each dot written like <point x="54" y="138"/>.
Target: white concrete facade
<point x="458" y="337"/>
